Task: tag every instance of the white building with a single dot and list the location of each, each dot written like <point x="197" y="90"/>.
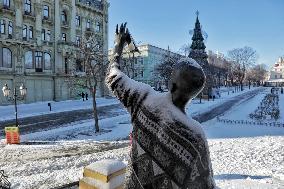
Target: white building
<point x="276" y="74"/>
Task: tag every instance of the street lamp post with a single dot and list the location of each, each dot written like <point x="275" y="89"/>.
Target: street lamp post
<point x="6" y="92"/>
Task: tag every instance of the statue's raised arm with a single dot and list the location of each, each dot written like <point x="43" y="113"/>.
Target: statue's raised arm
<point x="127" y="90"/>
<point x="122" y="38"/>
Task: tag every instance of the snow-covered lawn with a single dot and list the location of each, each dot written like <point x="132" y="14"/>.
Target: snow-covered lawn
<point x="243" y="156"/>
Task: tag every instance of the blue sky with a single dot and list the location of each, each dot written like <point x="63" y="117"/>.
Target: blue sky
<point x="228" y="23"/>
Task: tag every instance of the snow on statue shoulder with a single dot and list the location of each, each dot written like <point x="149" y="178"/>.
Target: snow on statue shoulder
<point x="169" y="150"/>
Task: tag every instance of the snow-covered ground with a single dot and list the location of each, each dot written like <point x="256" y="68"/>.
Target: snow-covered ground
<point x="40" y="108"/>
<point x="243" y="156"/>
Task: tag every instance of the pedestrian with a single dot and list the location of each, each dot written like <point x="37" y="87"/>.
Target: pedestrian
<point x="83" y="96"/>
<point x="86" y="96"/>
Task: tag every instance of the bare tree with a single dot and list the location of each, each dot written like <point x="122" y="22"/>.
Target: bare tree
<point x="256" y="74"/>
<point x="242" y="58"/>
<point x="185" y="49"/>
<point x="165" y="68"/>
<point x="89" y="70"/>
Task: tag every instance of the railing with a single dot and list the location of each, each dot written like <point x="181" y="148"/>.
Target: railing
<point x="248" y="122"/>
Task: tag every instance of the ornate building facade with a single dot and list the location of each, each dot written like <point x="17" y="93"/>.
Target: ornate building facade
<point x="276" y="74"/>
<point x="38" y="43"/>
<point x="141" y="66"/>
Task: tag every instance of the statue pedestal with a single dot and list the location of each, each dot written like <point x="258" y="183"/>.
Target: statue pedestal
<point x="103" y="174"/>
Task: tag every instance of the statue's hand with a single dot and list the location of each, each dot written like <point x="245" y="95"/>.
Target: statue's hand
<point x="122" y="38"/>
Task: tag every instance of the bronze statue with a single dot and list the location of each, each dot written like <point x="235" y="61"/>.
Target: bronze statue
<point x="169" y="149"/>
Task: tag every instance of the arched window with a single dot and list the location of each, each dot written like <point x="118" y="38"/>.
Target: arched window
<point x="47" y="61"/>
<point x="6" y="58"/>
<point x="29" y="59"/>
<point x="64" y="17"/>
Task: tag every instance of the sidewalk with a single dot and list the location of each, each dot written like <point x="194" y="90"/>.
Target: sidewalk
<point x="41" y="108"/>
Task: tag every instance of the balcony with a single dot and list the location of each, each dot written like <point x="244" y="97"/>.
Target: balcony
<point x="94" y="5"/>
<point x="64" y="24"/>
<point x="89" y="31"/>
<point x="47" y="43"/>
<point x="29" y="15"/>
<point x="47" y="20"/>
<point x="7" y="10"/>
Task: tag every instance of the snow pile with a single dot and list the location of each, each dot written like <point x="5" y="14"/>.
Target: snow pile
<point x="106" y="166"/>
<point x="104" y="174"/>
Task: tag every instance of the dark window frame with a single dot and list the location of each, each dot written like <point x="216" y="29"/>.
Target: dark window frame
<point x="31" y="32"/>
<point x="25" y="32"/>
<point x="78" y="20"/>
<point x="47" y="54"/>
<point x="2" y="26"/>
<point x="45" y="11"/>
<point x="32" y="63"/>
<point x="38" y="60"/>
<point x="28" y="6"/>
<point x="63" y="37"/>
<point x="7" y="3"/>
<point x="10" y="28"/>
<point x="5" y="58"/>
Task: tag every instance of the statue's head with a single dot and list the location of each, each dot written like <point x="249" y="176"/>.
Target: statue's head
<point x="187" y="81"/>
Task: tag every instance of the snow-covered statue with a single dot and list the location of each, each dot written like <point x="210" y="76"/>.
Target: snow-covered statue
<point x="169" y="149"/>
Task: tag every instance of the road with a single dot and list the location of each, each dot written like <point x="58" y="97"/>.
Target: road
<point x="54" y="120"/>
<point x="51" y="121"/>
<point x="222" y="108"/>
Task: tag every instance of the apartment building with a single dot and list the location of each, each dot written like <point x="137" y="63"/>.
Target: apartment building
<point x="39" y="43"/>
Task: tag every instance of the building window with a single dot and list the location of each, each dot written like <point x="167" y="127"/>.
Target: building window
<point x="38" y="60"/>
<point x="6" y="3"/>
<point x="47" y="61"/>
<point x="6" y="58"/>
<point x="31" y="32"/>
<point x="43" y="34"/>
<point x="98" y="27"/>
<point x="63" y="37"/>
<point x="79" y="67"/>
<point x="275" y="76"/>
<point x="48" y="35"/>
<point x="25" y="31"/>
<point x="10" y="29"/>
<point x="88" y="3"/>
<point x="29" y="59"/>
<point x="28" y="6"/>
<point x="45" y="11"/>
<point x="280" y="76"/>
<point x="78" y="20"/>
<point x="88" y="24"/>
<point x="78" y="41"/>
<point x="2" y="26"/>
<point x="64" y="17"/>
<point x="66" y="65"/>
<point x="142" y="74"/>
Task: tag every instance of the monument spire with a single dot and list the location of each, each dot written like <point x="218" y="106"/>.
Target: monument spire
<point x="197" y="46"/>
<point x="199" y="54"/>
